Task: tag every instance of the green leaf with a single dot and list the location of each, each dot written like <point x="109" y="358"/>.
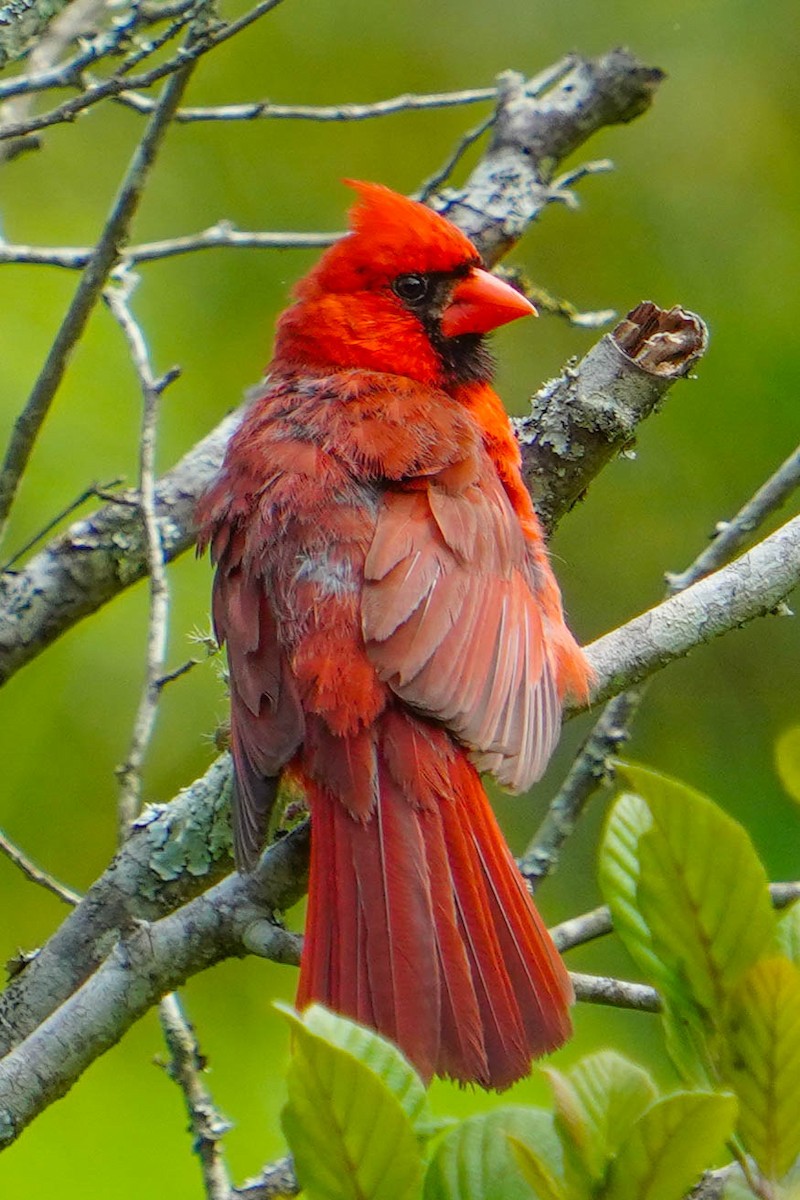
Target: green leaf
<point x="351" y="1137"/>
<point x="763" y="1062"/>
<point x="787" y="761"/>
<point x="789" y="933"/>
<point x="628" y="821"/>
<point x="375" y="1052"/>
<point x="697" y="888"/>
<point x="670" y="1146"/>
<point x="597" y="1102"/>
<point x="536" y="1172"/>
<point x="476" y="1160"/>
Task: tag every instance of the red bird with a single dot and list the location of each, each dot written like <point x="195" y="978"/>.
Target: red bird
<point x="393" y="628"/>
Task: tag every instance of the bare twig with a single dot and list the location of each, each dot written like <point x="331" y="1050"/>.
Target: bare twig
<point x="36" y="874"/>
<point x="177" y="673"/>
<point x="265" y="110"/>
<point x="221" y="235"/>
<point x="76" y="19"/>
<point x="593" y="92"/>
<point x="206" y="1123"/>
<point x="730" y="535"/>
<point x="577" y="931"/>
<point x="100" y="490"/>
<point x="109" y="42"/>
<point x="31" y="419"/>
<point x="616" y="993"/>
<point x="590" y="770"/>
<point x="753" y="585"/>
<point x="129" y="773"/>
<point x="444" y="172"/>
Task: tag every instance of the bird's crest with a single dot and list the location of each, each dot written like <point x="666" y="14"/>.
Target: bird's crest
<point x="390" y="233"/>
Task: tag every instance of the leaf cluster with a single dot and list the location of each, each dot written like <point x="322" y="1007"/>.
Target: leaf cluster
<point x="690" y="900"/>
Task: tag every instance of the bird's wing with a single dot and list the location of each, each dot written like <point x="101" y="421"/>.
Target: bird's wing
<point x="266" y="716"/>
<point x="453" y="625"/>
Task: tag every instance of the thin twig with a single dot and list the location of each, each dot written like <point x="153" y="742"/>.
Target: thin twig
<point x="435" y="181"/>
<point x="615" y="993"/>
<point x="70" y="73"/>
<point x="730" y="535"/>
<point x="206" y="1123"/>
<point x="560" y="188"/>
<point x="577" y="931"/>
<point x="170" y="676"/>
<point x="75" y="19"/>
<point x="100" y="490"/>
<point x="221" y="235"/>
<point x="129" y="773"/>
<point x="105" y="253"/>
<point x="36" y="874"/>
<point x="266" y="110"/>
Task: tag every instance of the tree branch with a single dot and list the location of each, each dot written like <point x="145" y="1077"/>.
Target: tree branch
<point x="206" y="1123"/>
<point x="130" y="772"/>
<point x="260" y="110"/>
<point x="231" y="919"/>
<point x="174" y="852"/>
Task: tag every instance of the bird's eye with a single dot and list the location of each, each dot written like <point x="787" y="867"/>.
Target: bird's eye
<point x="411" y="288"/>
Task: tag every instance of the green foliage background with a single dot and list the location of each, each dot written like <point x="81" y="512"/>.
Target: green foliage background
<point x="701" y="211"/>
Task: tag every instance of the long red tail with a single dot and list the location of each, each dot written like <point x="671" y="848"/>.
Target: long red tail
<point x="419" y="923"/>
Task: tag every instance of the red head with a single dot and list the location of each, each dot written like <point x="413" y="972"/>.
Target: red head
<point x="402" y="293"/>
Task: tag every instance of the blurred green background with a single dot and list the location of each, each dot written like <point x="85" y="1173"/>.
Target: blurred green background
<point x="701" y="211"/>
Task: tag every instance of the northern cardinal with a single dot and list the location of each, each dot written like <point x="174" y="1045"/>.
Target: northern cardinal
<point x="393" y="628"/>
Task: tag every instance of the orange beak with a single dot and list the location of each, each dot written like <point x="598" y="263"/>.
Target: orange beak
<point x="481" y="302"/>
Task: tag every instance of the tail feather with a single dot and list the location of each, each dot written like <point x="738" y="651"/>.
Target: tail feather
<point x="539" y="979"/>
<point x="501" y="1021"/>
<point x="462" y="1052"/>
<point x="419" y="923"/>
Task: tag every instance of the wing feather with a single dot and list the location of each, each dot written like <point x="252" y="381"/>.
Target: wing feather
<point x="453" y="623"/>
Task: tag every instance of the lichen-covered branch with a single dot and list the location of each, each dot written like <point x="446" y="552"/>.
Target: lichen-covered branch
<point x="148" y="961"/>
<point x="174" y="852"/>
